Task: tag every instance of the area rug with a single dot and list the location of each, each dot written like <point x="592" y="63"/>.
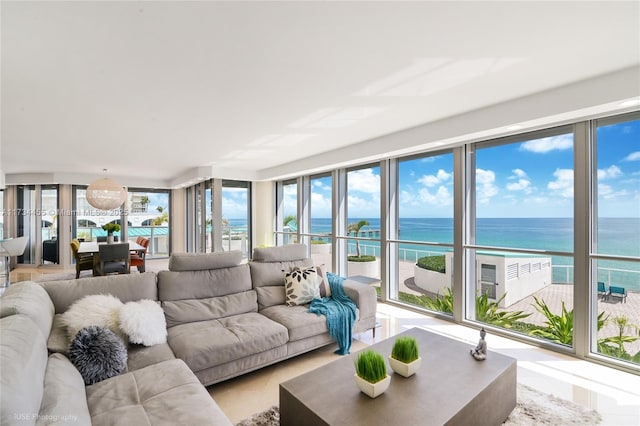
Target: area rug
<point x="532" y="408"/>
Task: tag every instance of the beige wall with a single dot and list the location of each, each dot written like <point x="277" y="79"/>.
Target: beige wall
<point x="262" y="213"/>
<point x="178" y="215"/>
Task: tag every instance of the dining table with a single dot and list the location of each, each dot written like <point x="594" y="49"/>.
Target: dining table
<point x="91" y="247"/>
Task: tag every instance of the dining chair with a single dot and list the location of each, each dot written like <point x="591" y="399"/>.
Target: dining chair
<point x="138" y="258"/>
<point x="84" y="262"/>
<point x="113" y="258"/>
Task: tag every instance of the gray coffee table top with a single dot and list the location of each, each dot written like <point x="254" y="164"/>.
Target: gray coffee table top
<point x="450" y="388"/>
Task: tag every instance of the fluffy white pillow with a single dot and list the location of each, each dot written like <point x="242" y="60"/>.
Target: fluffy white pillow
<point x="102" y="310"/>
<point x="144" y="322"/>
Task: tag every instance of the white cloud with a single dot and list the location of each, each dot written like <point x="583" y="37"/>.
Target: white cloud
<point x="544" y="145"/>
<point x="520" y="185"/>
<point x="523" y="183"/>
<point x="364" y="181"/>
<point x="634" y="156"/>
<point x="563" y="185"/>
<point x="609" y="173"/>
<point x="486" y="188"/>
<point x="518" y="173"/>
<point x="442" y="197"/>
<point x="431" y="180"/>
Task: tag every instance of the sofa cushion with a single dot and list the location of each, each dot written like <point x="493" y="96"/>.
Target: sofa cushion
<point x="58" y="342"/>
<point x="31" y="299"/>
<point x="202" y="284"/>
<point x="280" y="253"/>
<point x="299" y="321"/>
<point x="270" y="273"/>
<point x="139" y="356"/>
<point x="206" y="344"/>
<point x="270" y="296"/>
<point x="192" y="310"/>
<point x="23" y="359"/>
<point x="204" y="261"/>
<point x="127" y="288"/>
<point x="167" y="393"/>
<point x="64" y="401"/>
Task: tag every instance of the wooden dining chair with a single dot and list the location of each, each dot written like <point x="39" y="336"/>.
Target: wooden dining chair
<point x="113" y="259"/>
<point x="84" y="262"/>
<point x="138" y="258"/>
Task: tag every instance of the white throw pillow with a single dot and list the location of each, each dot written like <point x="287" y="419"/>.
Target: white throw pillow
<point x="301" y="286"/>
<point x="144" y="322"/>
<point x="102" y="310"/>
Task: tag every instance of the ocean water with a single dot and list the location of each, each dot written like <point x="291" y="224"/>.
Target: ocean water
<point x="615" y="236"/>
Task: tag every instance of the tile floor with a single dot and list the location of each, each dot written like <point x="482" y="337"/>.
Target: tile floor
<point x="613" y="393"/>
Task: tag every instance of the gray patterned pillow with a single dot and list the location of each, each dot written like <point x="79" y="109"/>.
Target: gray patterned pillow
<point x="98" y="353"/>
<point x="301" y="286"/>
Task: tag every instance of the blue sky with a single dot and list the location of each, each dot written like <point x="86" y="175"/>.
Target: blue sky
<point x="527" y="179"/>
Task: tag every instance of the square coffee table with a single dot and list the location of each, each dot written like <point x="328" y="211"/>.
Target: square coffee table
<point x="450" y="388"/>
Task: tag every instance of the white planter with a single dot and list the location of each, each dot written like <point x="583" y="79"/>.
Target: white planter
<point x="368" y="269"/>
<point x="320" y="248"/>
<point x="372" y="389"/>
<point x="110" y="239"/>
<point x="403" y="369"/>
<point x="431" y="281"/>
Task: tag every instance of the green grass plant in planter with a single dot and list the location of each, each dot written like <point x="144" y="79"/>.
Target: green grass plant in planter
<point x="111" y="227"/>
<point x="405" y="357"/>
<point x="371" y="373"/>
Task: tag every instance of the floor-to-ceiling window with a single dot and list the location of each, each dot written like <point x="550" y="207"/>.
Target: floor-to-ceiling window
<point x="520" y="249"/>
<point x="235" y="216"/>
<point x="616" y="238"/>
<point x="37" y="218"/>
<point x="424" y="246"/>
<point x="537" y="246"/>
<point x="148" y="217"/>
<point x="363" y="221"/>
<point x="321" y="223"/>
<point x="287" y="228"/>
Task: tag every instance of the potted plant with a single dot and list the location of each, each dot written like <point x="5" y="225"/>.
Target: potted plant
<point x="111" y="228"/>
<point x="371" y="373"/>
<point x="361" y="264"/>
<point x="405" y="358"/>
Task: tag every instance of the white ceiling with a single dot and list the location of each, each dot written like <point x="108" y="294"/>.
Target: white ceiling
<point x="162" y="92"/>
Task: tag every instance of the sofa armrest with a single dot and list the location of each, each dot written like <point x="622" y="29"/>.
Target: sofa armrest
<point x="365" y="298"/>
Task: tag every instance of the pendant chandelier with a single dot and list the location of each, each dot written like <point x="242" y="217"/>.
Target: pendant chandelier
<point x="106" y="194"/>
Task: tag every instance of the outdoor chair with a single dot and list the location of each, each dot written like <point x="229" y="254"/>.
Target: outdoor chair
<point x="602" y="290"/>
<point x="84" y="262"/>
<point x="113" y="258"/>
<point x="138" y="258"/>
<point x="619" y="292"/>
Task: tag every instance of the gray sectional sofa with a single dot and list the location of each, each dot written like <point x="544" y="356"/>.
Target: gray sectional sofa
<point x="224" y="318"/>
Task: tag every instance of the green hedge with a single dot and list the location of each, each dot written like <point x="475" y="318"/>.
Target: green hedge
<point x="366" y="258"/>
<point x="433" y="263"/>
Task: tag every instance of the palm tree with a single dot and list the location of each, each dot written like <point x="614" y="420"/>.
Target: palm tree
<point x="290" y="219"/>
<point x="355" y="228"/>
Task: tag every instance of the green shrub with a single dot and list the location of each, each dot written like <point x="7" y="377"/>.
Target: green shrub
<point x="433" y="263"/>
<point x="405" y="349"/>
<point x="370" y="366"/>
<point x="363" y="258"/>
<point x="111" y="227"/>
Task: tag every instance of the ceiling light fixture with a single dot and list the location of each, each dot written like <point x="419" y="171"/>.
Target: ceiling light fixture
<point x="106" y="194"/>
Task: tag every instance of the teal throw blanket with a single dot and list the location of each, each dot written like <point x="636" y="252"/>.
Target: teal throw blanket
<point x="340" y="312"/>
